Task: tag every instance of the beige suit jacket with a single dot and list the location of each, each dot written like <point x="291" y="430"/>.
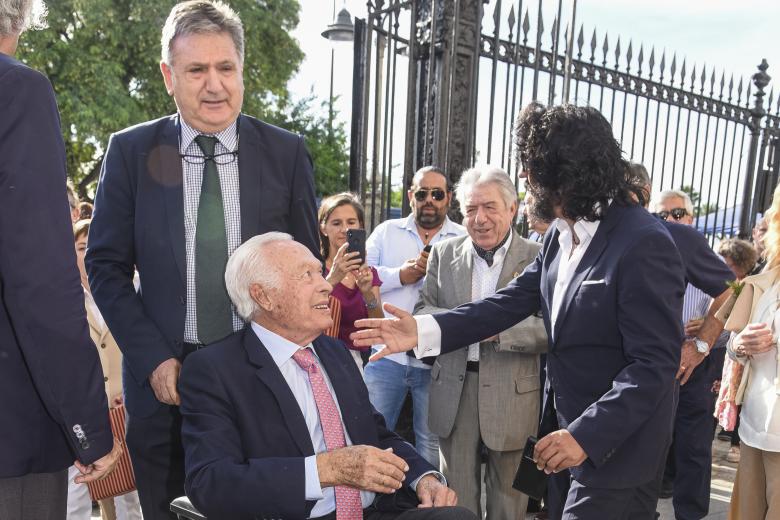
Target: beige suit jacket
<point x="110" y="355"/>
<point x="508" y="370"/>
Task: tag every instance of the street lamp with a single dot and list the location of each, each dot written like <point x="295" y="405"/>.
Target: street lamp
<point x="340" y="30"/>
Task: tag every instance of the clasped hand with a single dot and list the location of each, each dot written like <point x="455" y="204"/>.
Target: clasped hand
<point x="558" y="451"/>
<point x="756" y="338"/>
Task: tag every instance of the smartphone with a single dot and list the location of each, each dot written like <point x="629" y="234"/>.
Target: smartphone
<point x="428" y="248"/>
<point x="356" y="241"/>
<point x="529" y="479"/>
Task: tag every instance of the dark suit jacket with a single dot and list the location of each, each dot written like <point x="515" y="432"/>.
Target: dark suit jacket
<point x="50" y="375"/>
<point x="245" y="438"/>
<point x="616" y="347"/>
<point x="138" y="223"/>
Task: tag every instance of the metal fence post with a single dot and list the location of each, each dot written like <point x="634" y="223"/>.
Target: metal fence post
<point x="357" y="151"/>
<point x="760" y="80"/>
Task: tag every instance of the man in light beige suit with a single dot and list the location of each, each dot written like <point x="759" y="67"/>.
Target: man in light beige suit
<point x="489" y="393"/>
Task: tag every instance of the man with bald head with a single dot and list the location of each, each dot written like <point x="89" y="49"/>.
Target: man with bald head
<point x="277" y="421"/>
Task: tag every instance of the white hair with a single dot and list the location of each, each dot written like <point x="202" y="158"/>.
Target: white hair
<point x="481" y="175"/>
<point x="16" y="16"/>
<point x="675" y="194"/>
<point x="252" y="263"/>
<point x="201" y="17"/>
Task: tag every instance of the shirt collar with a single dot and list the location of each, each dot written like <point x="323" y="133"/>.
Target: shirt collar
<point x="584" y="229"/>
<point x="498" y="258"/>
<point x="227" y="137"/>
<point x="281" y="349"/>
<point x="447" y="229"/>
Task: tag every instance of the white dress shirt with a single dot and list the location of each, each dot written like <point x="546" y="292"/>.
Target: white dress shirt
<point x="428" y="330"/>
<point x="392" y="243"/>
<point x="297" y="379"/>
<point x="484" y="279"/>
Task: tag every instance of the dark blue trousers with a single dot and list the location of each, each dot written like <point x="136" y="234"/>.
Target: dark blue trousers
<point x="690" y="461"/>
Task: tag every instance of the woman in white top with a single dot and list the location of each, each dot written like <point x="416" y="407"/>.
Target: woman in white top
<point x="755" y="320"/>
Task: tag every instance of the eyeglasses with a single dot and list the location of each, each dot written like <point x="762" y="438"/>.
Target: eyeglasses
<point x="219" y="158"/>
<point x="437" y="194"/>
<point x="676" y="213"/>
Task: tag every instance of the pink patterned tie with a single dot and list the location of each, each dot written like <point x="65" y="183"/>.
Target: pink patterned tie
<point x="348" y="504"/>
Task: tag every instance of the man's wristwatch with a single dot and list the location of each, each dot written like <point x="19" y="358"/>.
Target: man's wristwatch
<point x="701" y="346"/>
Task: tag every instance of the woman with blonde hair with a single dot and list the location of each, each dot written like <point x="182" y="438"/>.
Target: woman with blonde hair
<point x="754" y="320"/>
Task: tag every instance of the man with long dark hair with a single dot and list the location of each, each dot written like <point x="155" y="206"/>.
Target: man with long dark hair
<point x="609" y="283"/>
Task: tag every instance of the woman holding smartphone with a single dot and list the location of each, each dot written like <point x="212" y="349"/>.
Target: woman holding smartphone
<point x="355" y="284"/>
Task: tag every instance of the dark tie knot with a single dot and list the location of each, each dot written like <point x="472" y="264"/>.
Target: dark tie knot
<point x="207" y="144"/>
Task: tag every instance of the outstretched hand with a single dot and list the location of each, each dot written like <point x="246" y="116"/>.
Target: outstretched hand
<point x="398" y="334"/>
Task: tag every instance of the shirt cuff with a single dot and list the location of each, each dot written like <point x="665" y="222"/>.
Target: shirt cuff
<point x="428" y="336"/>
<point x="436" y="474"/>
<point x="313" y="488"/>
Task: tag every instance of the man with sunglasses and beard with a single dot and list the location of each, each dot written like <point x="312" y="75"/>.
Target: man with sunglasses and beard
<point x="609" y="283"/>
<point x="397" y="248"/>
<point x="689" y="463"/>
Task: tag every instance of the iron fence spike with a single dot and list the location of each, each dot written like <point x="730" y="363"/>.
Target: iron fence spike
<point x="722" y="82"/>
<point x="617" y="53"/>
<point x="703" y="76"/>
<point x="651" y="61"/>
<point x="511" y="19"/>
<point x="629" y="55"/>
<point x="673" y="68"/>
<point x="593" y="44"/>
<point x="770" y="99"/>
<point x="526" y="24"/>
<point x="682" y="73"/>
<point x="497" y="16"/>
<point x="747" y="95"/>
<point x="693" y="76"/>
<point x="662" y="65"/>
<point x="731" y="88"/>
<point x="605" y="47"/>
<point x="580" y="41"/>
<point x="554" y="32"/>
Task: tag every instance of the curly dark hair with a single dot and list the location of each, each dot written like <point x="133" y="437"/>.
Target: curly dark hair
<point x="741" y="253"/>
<point x="573" y="161"/>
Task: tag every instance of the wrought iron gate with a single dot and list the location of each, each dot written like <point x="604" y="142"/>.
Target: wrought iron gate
<point x="441" y="81"/>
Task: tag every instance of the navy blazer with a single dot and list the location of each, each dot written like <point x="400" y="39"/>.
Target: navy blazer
<point x="615" y="349"/>
<point x="50" y="376"/>
<point x="245" y="438"/>
<point x="138" y="223"/>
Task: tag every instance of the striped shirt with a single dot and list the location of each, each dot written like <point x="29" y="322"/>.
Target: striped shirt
<point x="227" y="141"/>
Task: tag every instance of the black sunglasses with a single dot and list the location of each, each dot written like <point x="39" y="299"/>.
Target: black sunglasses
<point x="437" y="194"/>
<point x="676" y="213"/>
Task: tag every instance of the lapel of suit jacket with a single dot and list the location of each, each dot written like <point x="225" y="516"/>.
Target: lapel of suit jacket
<point x="518" y="254"/>
<point x="343" y="384"/>
<point x="550" y="261"/>
<point x="596" y="247"/>
<point x="272" y="377"/>
<point x="250" y="171"/>
<point x="169" y="173"/>
<point x="462" y="266"/>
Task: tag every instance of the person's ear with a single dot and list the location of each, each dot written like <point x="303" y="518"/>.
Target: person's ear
<point x="260" y="297"/>
<point x="167" y="73"/>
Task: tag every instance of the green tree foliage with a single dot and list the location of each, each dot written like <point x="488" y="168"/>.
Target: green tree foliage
<point x="698" y="208"/>
<point x="102" y="57"/>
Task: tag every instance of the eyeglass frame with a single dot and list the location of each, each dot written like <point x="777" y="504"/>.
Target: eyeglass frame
<point x="201" y="159"/>
<point x="433" y="193"/>
<point x="681" y="212"/>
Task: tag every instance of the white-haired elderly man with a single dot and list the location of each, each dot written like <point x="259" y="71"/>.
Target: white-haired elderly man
<point x="489" y="393"/>
<point x="276" y="418"/>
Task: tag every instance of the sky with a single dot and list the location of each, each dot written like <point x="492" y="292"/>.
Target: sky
<point x="731" y="35"/>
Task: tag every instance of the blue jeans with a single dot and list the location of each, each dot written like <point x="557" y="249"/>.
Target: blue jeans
<point x="388" y="383"/>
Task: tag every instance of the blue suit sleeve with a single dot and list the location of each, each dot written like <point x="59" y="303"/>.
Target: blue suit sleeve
<point x="110" y="265"/>
<point x="475" y="321"/>
<point x="650" y="291"/>
<point x="703" y="268"/>
<point x="39" y="282"/>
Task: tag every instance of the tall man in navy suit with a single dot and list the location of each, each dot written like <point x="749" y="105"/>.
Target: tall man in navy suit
<point x="277" y="420"/>
<point x="609" y="282"/>
<point x="176" y="196"/>
<point x="52" y="402"/>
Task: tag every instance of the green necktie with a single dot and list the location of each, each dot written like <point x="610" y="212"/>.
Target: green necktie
<point x="214" y="312"/>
